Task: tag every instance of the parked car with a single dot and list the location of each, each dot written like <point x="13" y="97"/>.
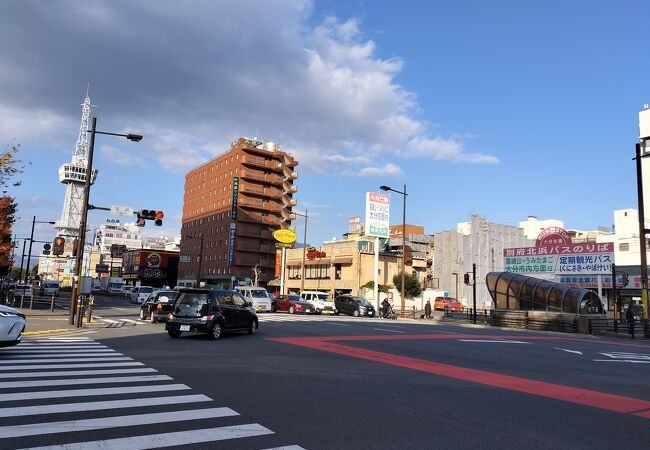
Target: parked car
<point x="353" y="306"/>
<point x="22" y="290"/>
<point x="140" y="293"/>
<point x="447" y="304"/>
<point x="210" y="311"/>
<point x="126" y="291"/>
<point x="291" y="303"/>
<point x="258" y="296"/>
<point x="50" y="287"/>
<point x="321" y="301"/>
<point x="12" y="325"/>
<point x="158" y="306"/>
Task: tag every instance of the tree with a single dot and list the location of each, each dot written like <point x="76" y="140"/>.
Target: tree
<point x="371" y="285"/>
<point x="9" y="166"/>
<point x="256" y="274"/>
<point x="411" y="285"/>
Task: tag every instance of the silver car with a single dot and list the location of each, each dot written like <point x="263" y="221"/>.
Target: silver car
<point x="12" y="325"/>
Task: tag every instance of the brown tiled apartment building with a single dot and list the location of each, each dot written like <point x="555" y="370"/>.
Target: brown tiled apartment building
<point x="231" y="206"/>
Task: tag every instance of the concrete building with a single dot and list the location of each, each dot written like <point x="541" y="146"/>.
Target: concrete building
<point x="231" y="206"/>
<point x="477" y="242"/>
<point x="421" y="246"/>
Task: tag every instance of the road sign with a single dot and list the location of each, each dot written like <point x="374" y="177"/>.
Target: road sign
<point x="121" y="210"/>
<point x="284" y="236"/>
<point x="280" y="245"/>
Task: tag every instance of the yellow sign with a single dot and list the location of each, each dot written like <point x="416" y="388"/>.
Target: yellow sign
<point x="284" y="236"/>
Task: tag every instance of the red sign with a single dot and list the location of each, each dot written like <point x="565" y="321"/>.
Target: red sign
<point x="379" y="198"/>
<point x="553" y="236"/>
<point x="312" y="254"/>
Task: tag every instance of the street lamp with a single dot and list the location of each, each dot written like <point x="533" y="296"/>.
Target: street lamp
<point x="31" y="239"/>
<point x="198" y="276"/>
<point x="404" y="194"/>
<point x="84" y="211"/>
<point x="304" y="250"/>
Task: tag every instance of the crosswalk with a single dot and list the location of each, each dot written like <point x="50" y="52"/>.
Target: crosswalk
<point x="71" y="392"/>
<point x="118" y="322"/>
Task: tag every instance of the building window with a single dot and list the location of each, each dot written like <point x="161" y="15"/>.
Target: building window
<point x="337" y="271"/>
<point x="625" y="247"/>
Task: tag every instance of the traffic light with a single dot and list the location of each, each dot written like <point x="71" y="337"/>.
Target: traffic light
<point x="150" y="214"/>
<point x="466" y="278"/>
<point x="59" y="246"/>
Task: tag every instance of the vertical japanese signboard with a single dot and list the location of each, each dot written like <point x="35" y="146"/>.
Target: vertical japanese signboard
<point x="278" y="263"/>
<point x="235" y="195"/>
<point x="231" y="245"/>
<point x="377" y="214"/>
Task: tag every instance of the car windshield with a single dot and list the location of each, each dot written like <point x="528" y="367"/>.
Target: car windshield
<point x="362" y="301"/>
<point x="191" y="303"/>
<point x="294" y="298"/>
<point x="324" y="298"/>
<point x="167" y="296"/>
<point x="146" y="290"/>
<point x="259" y="293"/>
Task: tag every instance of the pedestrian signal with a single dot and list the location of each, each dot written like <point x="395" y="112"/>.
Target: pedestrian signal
<point x="466" y="278"/>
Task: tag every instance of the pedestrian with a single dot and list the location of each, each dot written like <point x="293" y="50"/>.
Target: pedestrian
<point x="427" y="310"/>
<point x="629" y="316"/>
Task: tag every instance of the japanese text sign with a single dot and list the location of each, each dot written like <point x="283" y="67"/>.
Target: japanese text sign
<point x="377" y="214"/>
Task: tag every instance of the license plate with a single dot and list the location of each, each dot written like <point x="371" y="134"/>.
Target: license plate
<point x="185" y="328"/>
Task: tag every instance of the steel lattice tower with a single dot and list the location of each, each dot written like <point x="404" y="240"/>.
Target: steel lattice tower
<point x="73" y="175"/>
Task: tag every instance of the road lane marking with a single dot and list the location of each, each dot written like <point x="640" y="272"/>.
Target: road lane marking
<point x="66" y="345"/>
<point x="494" y="341"/>
<point x="56" y="356"/>
<point x="72" y="426"/>
<point x="64" y="373"/>
<point x="286" y="447"/>
<point x="70" y="366"/>
<point x="623" y="360"/>
<point x="92" y="392"/>
<point x="77" y="381"/>
<point x="23" y="361"/>
<point x="55" y="351"/>
<point x="386" y="329"/>
<point x="585" y="397"/>
<point x="339" y="324"/>
<point x="160" y="440"/>
<point x="99" y="406"/>
<point x="577" y="352"/>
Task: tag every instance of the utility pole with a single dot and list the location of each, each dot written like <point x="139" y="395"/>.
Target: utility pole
<point x="474" y="290"/>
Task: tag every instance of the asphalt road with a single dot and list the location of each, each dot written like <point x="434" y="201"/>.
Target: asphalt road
<point x="344" y="383"/>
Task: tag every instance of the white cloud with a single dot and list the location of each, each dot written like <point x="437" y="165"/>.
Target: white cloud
<point x="190" y="81"/>
<point x="120" y="157"/>
<point x="388" y="170"/>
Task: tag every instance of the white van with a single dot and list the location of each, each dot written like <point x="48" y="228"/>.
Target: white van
<point x="140" y="293"/>
<point x="50" y="287"/>
<point x="258" y="296"/>
<point x="321" y="301"/>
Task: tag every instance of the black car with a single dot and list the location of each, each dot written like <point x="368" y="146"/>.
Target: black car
<point x="353" y="306"/>
<point x="158" y="306"/>
<point x="210" y="311"/>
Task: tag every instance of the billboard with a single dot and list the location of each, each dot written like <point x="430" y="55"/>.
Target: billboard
<point x="231" y="244"/>
<point x="377" y="214"/>
<point x="235" y="196"/>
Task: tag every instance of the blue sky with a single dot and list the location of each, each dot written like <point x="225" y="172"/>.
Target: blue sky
<point x="504" y="108"/>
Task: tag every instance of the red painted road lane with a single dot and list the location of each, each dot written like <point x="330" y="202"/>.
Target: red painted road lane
<point x="595" y="399"/>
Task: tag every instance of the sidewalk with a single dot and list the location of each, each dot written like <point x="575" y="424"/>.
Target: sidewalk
<point x="44" y="321"/>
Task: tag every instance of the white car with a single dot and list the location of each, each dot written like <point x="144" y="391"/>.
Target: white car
<point x="12" y="325"/>
<point x="257" y="296"/>
<point x="140" y="293"/>
<point x="321" y="301"/>
<point x="50" y="287"/>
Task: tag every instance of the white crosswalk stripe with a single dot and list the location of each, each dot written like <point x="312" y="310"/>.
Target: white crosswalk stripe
<point x="57" y="362"/>
<point x="282" y="317"/>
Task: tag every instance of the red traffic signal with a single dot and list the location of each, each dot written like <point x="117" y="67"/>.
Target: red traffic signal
<point x="58" y="247"/>
<point x="150" y="214"/>
<point x="160" y="214"/>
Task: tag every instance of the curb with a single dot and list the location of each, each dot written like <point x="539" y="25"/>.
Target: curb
<point x="59" y="330"/>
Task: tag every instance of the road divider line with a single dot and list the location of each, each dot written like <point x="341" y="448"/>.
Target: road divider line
<point x="64" y="373"/>
<point x="92" y="392"/>
<point x="577" y="352"/>
<point x="493" y="341"/>
<point x="387" y="329"/>
<point x="638" y="361"/>
<point x="169" y="439"/>
<point x="99" y="406"/>
<point x="78" y="381"/>
<point x="72" y="426"/>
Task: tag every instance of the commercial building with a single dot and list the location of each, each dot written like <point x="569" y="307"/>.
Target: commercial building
<point x="231" y="206"/>
<point x="420" y="254"/>
<point x="155" y="268"/>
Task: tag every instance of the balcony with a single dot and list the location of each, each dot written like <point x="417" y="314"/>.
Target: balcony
<point x="288" y="187"/>
<point x="290" y="176"/>
<point x="248" y="202"/>
<point x="257" y="161"/>
<point x="243" y="232"/>
<point x="256" y="189"/>
<point x="289" y="202"/>
<point x="288" y="216"/>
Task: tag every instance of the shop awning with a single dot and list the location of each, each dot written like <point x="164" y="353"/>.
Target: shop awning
<point x="342" y="260"/>
<point x="316" y="262"/>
